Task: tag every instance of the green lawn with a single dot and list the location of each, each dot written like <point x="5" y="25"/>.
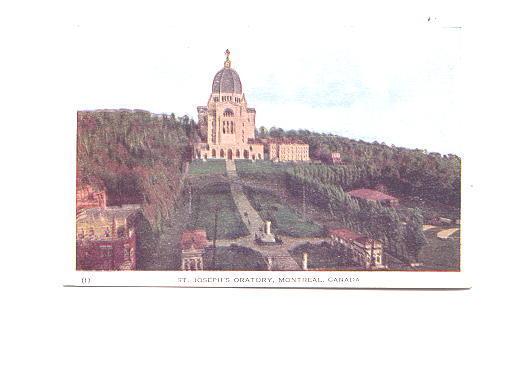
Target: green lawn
<point x="229" y="223"/>
<point x="200" y="167"/>
<point x="260" y="167"/>
<point x="234" y="258"/>
<point x="284" y="219"/>
<point x="440" y="254"/>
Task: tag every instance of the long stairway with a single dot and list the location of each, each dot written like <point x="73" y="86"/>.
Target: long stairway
<point x="249" y="215"/>
<point x="278" y="256"/>
<point x="283" y="262"/>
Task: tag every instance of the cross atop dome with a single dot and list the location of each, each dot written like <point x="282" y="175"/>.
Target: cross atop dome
<point x="227" y="63"/>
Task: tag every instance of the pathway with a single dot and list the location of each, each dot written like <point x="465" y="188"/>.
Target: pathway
<point x="444" y="234"/>
<point x="278" y="255"/>
<point x="248" y="214"/>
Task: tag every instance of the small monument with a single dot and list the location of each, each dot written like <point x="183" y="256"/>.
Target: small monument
<point x="269" y="263"/>
<point x="305" y="261"/>
<point x="266" y="236"/>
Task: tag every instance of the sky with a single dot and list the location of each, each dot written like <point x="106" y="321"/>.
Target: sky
<point x="378" y="76"/>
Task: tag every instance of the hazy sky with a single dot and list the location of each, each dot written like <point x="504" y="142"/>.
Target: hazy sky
<point x="357" y="73"/>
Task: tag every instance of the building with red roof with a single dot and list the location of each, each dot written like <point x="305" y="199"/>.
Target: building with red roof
<point x="374" y="195"/>
<point x="364" y="251"/>
<point x="193" y="244"/>
<point x="89" y="197"/>
<point x="343" y="234"/>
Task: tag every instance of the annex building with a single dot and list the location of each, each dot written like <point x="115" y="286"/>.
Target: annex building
<point x="287" y="150"/>
<point x="106" y="238"/>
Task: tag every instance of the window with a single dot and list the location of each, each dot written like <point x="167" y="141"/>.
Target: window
<point x="222" y="153"/>
<point x="106" y="251"/>
<point x="213" y="153"/>
<point x="127" y="252"/>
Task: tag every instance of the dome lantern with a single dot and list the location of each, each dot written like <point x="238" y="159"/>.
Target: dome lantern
<point x="227" y="80"/>
<point x="227" y="63"/>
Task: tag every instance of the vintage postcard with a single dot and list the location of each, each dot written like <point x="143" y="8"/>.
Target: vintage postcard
<point x="322" y="164"/>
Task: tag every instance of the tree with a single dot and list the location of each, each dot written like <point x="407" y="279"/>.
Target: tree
<point x="414" y="236"/>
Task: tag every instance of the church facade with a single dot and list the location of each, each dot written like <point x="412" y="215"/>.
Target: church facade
<point x="227" y="124"/>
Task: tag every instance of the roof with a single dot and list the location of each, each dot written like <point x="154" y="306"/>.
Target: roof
<point x="227" y="80"/>
<point x="344" y="234"/>
<point x="286" y="141"/>
<point x="370" y="194"/>
<point x="108" y="213"/>
<point x="364" y="240"/>
<point x="198" y="238"/>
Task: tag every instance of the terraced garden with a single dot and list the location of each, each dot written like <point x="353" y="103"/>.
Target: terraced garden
<point x="211" y="199"/>
<point x="200" y="167"/>
<point x="262" y="168"/>
<point x="284" y="219"/>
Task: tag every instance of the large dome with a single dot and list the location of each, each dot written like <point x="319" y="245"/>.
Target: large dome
<point x="227" y="81"/>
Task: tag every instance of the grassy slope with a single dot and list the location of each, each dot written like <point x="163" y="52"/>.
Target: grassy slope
<point x="440" y="254"/>
<point x="199" y="167"/>
<point x="284" y="219"/>
<point x="205" y="200"/>
<point x="247" y="168"/>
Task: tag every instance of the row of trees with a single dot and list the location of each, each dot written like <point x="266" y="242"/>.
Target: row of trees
<point x="369" y="218"/>
<point x="431" y="176"/>
<point x="136" y="156"/>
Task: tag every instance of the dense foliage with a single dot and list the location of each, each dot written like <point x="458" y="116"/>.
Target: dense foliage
<point x="402" y="236"/>
<point x="136" y="156"/>
<point x="404" y="171"/>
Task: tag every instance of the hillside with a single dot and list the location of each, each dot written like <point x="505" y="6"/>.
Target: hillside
<point x="140" y="157"/>
<point x="405" y="172"/>
<point x="136" y="156"/>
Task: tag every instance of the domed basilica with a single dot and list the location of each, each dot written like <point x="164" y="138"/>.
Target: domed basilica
<point x="227" y="125"/>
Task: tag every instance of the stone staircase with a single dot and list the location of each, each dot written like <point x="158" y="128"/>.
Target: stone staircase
<point x="277" y="257"/>
<point x="284" y="262"/>
<point x="230" y="166"/>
